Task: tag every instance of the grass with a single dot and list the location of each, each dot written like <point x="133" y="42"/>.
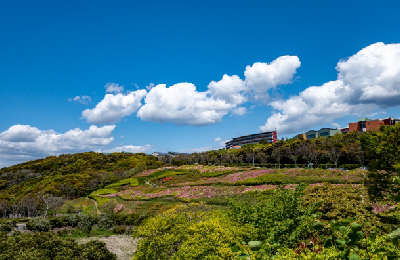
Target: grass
<point x="101" y="200"/>
<point x="167" y="173"/>
<point x="83" y="203"/>
<point x="96" y="232"/>
<point x="130" y="181"/>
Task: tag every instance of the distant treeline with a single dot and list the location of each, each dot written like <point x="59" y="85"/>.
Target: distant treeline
<point x="376" y="149"/>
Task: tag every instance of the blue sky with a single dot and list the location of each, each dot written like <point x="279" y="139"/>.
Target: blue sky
<point x="54" y="51"/>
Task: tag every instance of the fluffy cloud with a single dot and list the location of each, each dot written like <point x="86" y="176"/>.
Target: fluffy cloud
<point x="114" y="107"/>
<point x="261" y="77"/>
<point x="131" y="149"/>
<point x="221" y="142"/>
<point x="367" y="81"/>
<point x="23" y="142"/>
<point x="113" y="88"/>
<point x="182" y="104"/>
<point x="81" y="99"/>
<point x="230" y="89"/>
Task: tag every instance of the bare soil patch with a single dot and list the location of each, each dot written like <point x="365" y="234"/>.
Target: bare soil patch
<point x="124" y="246"/>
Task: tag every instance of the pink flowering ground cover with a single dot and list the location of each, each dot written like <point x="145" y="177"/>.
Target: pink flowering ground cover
<point x="209" y="169"/>
<point x="275" y="176"/>
<point x="147" y="173"/>
<point x="193" y="192"/>
<point x="189" y="192"/>
<point x="228" y="179"/>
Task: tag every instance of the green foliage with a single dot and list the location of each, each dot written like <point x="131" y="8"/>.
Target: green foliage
<point x="86" y="223"/>
<point x="119" y="229"/>
<point x="187" y="232"/>
<point x="167" y="173"/>
<point x="215" y="174"/>
<point x="101" y="200"/>
<point x="58" y="222"/>
<point x="71" y="176"/>
<point x="49" y="246"/>
<point x="340" y="202"/>
<point x="352" y="241"/>
<point x="279" y="219"/>
<point x="38" y="224"/>
<point x="130" y="181"/>
<point x="6" y="225"/>
<point x="104" y="222"/>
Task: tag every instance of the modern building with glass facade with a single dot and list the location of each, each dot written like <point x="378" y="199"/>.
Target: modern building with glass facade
<point x="323" y="132"/>
<point x="366" y="124"/>
<point x="269" y="137"/>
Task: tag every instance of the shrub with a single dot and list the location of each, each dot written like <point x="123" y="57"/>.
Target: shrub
<point x="38" y="225"/>
<point x="96" y="250"/>
<point x="73" y="220"/>
<point x="280" y="219"/>
<point x="375" y="249"/>
<point x="188" y="232"/>
<point x="341" y="202"/>
<point x="130" y="219"/>
<point x="46" y="246"/>
<point x="104" y="222"/>
<point x="6" y="225"/>
<point x="119" y="229"/>
<point x="86" y="223"/>
<point x="58" y="222"/>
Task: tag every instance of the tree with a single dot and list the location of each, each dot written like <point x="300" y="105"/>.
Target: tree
<point x="355" y="150"/>
<point x="262" y="157"/>
<point x="249" y="157"/>
<point x="309" y="151"/>
<point x="334" y="153"/>
<point x="50" y="203"/>
<point x="277" y="153"/>
<point x="293" y="153"/>
<point x="3" y="208"/>
<point x="29" y="206"/>
<point x="382" y="150"/>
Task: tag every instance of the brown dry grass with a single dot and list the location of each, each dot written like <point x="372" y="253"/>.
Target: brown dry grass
<point x="123" y="246"/>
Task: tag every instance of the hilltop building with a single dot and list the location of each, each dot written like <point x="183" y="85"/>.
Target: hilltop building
<point x="366" y="124"/>
<point x="270" y="137"/>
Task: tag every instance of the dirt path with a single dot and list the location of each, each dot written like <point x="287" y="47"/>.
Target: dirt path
<point x="124" y="246"/>
<point x="96" y="205"/>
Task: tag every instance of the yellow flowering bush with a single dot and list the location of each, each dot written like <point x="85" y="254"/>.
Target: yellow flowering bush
<point x="188" y="232"/>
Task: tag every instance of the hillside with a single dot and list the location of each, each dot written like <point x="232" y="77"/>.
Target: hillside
<point x="194" y="211"/>
<point x="70" y="176"/>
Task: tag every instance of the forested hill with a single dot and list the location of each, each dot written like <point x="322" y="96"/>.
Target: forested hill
<point x="71" y="175"/>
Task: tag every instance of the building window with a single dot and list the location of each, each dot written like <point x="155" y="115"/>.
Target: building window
<point x="324" y="134"/>
<point x="310" y="136"/>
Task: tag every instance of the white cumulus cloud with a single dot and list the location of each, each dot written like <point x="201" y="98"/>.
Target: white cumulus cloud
<point x="261" y="77"/>
<point x="114" y="88"/>
<point x="367" y="81"/>
<point x="182" y="104"/>
<point x="114" y="107"/>
<point x="81" y="99"/>
<point x="24" y="142"/>
<point x="131" y="149"/>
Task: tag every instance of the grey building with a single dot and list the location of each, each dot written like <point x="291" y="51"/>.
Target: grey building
<point x="325" y="132"/>
<point x="311" y="134"/>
